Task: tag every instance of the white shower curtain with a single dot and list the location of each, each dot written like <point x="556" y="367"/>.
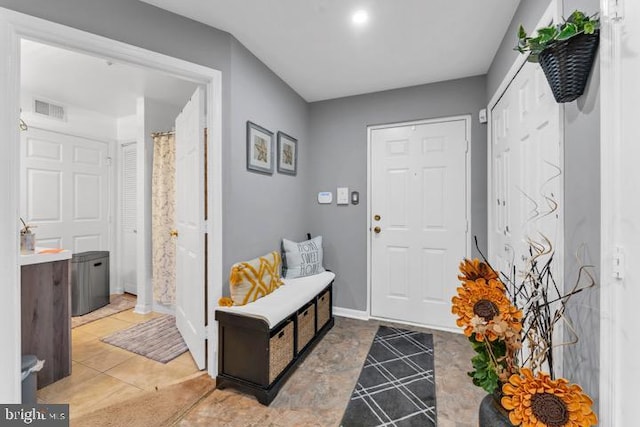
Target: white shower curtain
<point x="163" y="219"/>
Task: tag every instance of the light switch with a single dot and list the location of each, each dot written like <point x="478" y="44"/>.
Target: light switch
<point x="342" y="196"/>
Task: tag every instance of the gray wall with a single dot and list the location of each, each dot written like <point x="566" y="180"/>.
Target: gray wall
<point x="338" y="131"/>
<point x="528" y="14"/>
<point x="258" y="210"/>
<point x="581" y="194"/>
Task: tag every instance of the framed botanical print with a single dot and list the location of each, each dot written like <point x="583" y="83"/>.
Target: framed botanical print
<point x="287" y="154"/>
<point x="259" y="149"/>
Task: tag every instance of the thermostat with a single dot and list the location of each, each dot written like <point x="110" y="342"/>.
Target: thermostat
<point x="325" y="197"/>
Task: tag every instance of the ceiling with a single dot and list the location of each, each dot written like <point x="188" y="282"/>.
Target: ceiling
<point x="314" y="47"/>
<point x="70" y="78"/>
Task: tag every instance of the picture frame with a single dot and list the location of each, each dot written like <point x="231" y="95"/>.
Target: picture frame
<point x="260" y="150"/>
<point x="287" y="154"/>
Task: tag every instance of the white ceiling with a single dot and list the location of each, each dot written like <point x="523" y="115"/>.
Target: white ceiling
<point x="71" y="78"/>
<point x="313" y="46"/>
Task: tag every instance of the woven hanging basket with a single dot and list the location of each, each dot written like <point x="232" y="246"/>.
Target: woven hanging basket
<point x="567" y="65"/>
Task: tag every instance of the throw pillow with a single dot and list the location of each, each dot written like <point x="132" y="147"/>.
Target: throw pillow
<point x="254" y="279"/>
<point x="302" y="259"/>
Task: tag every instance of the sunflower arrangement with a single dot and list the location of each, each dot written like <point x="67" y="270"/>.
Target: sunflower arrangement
<point x="495" y="326"/>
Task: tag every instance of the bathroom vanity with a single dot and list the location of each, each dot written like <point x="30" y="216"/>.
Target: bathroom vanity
<point x="46" y="312"/>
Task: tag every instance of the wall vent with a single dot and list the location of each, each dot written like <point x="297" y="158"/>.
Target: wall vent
<point x="50" y="110"/>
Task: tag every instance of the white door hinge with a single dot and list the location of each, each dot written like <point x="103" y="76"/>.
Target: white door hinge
<point x="205" y="227"/>
<point x="618" y="263"/>
<point x="109" y="161"/>
<point x="615" y="10"/>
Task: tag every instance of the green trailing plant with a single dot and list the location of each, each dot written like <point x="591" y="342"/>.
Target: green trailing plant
<point x="487" y="363"/>
<point x="577" y="23"/>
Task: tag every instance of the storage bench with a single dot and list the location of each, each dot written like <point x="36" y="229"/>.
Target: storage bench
<point x="261" y="343"/>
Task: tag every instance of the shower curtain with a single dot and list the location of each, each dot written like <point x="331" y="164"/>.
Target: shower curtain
<point x="163" y="219"/>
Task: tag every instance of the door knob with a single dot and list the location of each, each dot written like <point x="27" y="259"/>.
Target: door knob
<point x="173" y="233"/>
<point x="377" y="217"/>
<point x="377" y="230"/>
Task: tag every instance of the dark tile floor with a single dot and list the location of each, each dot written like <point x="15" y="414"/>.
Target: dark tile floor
<point x="317" y="393"/>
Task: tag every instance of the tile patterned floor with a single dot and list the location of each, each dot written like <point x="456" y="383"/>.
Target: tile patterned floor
<point x="104" y="375"/>
<point x="316" y="394"/>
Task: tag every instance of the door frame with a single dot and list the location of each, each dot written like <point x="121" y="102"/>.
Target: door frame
<point x="552" y="13"/>
<point x="15" y="26"/>
<point x="370" y="129"/>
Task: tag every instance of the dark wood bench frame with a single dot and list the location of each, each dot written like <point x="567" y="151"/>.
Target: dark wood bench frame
<point x="244" y="344"/>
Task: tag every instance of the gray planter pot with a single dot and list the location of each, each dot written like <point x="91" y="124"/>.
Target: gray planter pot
<point x="492" y="414"/>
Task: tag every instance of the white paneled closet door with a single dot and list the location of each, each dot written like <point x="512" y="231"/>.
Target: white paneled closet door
<point x="65" y="190"/>
<point x="526" y="171"/>
<point x="128" y="218"/>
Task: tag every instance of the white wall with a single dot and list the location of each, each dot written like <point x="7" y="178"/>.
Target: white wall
<point x="620" y="150"/>
<point x="79" y="122"/>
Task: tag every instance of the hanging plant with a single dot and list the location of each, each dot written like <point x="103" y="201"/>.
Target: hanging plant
<point x="565" y="52"/>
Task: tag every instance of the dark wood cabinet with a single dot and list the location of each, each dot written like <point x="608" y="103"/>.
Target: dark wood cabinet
<point x="46" y="318"/>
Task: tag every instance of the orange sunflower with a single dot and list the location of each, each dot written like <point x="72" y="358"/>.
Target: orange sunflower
<point x="475" y="269"/>
<point x="483" y="302"/>
<point x="534" y="401"/>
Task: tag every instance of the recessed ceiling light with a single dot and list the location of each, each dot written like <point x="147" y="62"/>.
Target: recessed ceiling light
<point x="360" y="17"/>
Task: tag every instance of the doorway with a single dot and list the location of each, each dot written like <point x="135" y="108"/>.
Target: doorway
<point x="418" y="216"/>
<point x="15" y="27"/>
<point x="71" y="189"/>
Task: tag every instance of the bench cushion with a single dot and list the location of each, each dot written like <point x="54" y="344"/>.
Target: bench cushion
<point x="285" y="300"/>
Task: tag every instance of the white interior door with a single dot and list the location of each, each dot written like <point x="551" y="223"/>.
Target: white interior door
<point x="525" y="170"/>
<point x="128" y="221"/>
<point x="190" y="256"/>
<point x="525" y="190"/>
<point x="419" y="220"/>
<point x="65" y="190"/>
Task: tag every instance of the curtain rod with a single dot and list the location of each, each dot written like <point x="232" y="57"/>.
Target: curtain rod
<point x="154" y="134"/>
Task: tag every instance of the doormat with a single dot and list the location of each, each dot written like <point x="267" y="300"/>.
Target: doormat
<point x="158" y="339"/>
<point x="397" y="383"/>
<point x="118" y="303"/>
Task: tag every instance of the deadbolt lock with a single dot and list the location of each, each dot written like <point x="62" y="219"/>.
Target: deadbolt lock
<point x="377" y="217"/>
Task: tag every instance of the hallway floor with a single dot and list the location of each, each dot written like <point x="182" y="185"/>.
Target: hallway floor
<point x="109" y="385"/>
<point x="103" y="375"/>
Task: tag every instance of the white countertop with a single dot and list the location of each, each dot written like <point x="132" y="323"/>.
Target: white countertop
<point x="38" y="257"/>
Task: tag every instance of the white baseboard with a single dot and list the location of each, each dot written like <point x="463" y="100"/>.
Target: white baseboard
<point x="142" y="309"/>
<point x="352" y="314"/>
<point x="164" y="309"/>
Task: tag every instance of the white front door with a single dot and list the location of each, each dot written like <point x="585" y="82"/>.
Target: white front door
<point x="525" y="171"/>
<point x="418" y="219"/>
<point x="190" y="256"/>
<point x="65" y="190"/>
<point x="128" y="219"/>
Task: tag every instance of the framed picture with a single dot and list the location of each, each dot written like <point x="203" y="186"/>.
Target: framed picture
<point x="287" y="154"/>
<point x="259" y="149"/>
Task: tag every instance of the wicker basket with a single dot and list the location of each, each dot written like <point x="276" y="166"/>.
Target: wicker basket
<point x="280" y="351"/>
<point x="567" y="65"/>
<point x="324" y="308"/>
<point x="306" y="326"/>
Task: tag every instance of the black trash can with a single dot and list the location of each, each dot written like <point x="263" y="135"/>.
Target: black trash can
<point x="89" y="281"/>
<point x="30" y="382"/>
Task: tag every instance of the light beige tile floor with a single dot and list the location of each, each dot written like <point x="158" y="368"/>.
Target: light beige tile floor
<point x="103" y="375"/>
